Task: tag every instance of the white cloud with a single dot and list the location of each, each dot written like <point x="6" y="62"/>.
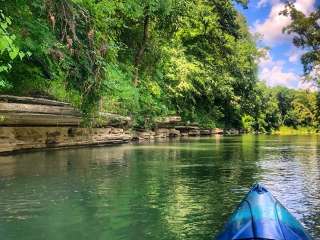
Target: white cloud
<point x="274" y="74"/>
<point x="264" y="3"/>
<point x="271" y="28"/>
<point x="295" y="54"/>
<point x="307" y="85"/>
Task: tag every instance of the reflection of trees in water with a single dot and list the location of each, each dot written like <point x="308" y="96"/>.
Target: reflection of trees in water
<point x="57" y="162"/>
<point x="196" y="188"/>
<point x="177" y="190"/>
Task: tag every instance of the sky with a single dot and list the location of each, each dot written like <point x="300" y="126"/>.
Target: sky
<point x="282" y="65"/>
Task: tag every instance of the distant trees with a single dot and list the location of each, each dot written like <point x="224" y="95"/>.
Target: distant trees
<point x="264" y="110"/>
<point x="281" y="106"/>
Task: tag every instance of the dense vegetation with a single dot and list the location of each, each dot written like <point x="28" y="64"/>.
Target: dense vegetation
<point x="144" y="59"/>
<point x="280" y="106"/>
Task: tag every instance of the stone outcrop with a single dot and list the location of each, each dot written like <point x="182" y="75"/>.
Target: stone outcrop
<point x="35" y="123"/>
<point x="217" y="131"/>
<point x="28" y="123"/>
<point x="168" y="122"/>
<point x="143" y="136"/>
<point x="205" y="132"/>
<point x="174" y="133"/>
<point x="188" y="130"/>
<point x="27" y="111"/>
<point x="31" y="100"/>
<point x="162" y="133"/>
<point x="232" y="131"/>
<point x="194" y="132"/>
<point x="14" y="139"/>
<point x="115" y="120"/>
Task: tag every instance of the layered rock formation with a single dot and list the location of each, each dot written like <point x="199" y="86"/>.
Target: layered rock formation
<point x="14" y="139"/>
<point x="33" y="123"/>
<point x="36" y="123"/>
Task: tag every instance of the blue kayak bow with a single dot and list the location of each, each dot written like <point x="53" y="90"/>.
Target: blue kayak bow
<point x="261" y="216"/>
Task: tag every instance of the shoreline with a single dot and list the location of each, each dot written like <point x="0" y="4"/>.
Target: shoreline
<point x="118" y="142"/>
<point x="15" y="140"/>
<point x="35" y="124"/>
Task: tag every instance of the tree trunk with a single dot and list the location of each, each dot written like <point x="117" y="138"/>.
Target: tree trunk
<point x="139" y="55"/>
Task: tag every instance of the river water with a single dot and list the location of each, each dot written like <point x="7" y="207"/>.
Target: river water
<point x="171" y="191"/>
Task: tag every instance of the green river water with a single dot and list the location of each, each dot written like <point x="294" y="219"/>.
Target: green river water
<point x="177" y="190"/>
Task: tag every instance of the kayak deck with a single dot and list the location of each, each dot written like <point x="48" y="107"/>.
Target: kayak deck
<point x="261" y="216"/>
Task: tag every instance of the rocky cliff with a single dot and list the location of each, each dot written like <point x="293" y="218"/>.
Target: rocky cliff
<point x="36" y="123"/>
<point x="32" y="123"/>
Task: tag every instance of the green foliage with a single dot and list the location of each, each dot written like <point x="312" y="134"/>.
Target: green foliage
<point x="248" y="123"/>
<point x="145" y="59"/>
<point x="209" y="63"/>
<point x="284" y="130"/>
<point x="306" y="34"/>
<point x="280" y="106"/>
<point x="8" y="50"/>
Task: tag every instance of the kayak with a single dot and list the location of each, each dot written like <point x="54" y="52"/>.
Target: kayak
<point x="261" y="216"/>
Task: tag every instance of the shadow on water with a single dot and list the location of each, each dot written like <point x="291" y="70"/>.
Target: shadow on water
<point x="176" y="190"/>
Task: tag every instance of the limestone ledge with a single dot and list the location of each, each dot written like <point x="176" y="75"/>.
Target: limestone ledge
<point x="17" y="139"/>
<point x="14" y="139"/>
<point x="28" y="123"/>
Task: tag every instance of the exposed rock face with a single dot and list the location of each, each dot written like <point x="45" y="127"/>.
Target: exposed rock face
<point x="27" y="138"/>
<point x="34" y="123"/>
<point x="27" y="111"/>
<point x="174" y="133"/>
<point x="168" y="122"/>
<point x="162" y="133"/>
<point x="188" y="130"/>
<point x="194" y="132"/>
<point x="35" y="113"/>
<point x="232" y="131"/>
<point x="217" y="131"/>
<point x="115" y="120"/>
<point x="205" y="132"/>
<point x="31" y="100"/>
<point x="143" y="136"/>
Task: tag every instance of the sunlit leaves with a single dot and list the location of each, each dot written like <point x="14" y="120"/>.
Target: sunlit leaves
<point x="197" y="61"/>
<point x="7" y="47"/>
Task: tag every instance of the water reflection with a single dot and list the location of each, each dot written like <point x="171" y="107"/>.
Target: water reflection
<point x="177" y="190"/>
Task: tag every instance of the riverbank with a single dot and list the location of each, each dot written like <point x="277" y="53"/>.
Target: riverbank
<point x="284" y="130"/>
<point x="28" y="124"/>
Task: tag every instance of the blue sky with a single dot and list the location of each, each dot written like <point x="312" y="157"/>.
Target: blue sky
<point x="282" y="65"/>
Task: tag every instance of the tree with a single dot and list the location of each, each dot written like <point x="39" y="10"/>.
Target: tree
<point x="8" y="50"/>
<point x="306" y="35"/>
<point x="195" y="58"/>
<point x="216" y="51"/>
<point x="284" y="97"/>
